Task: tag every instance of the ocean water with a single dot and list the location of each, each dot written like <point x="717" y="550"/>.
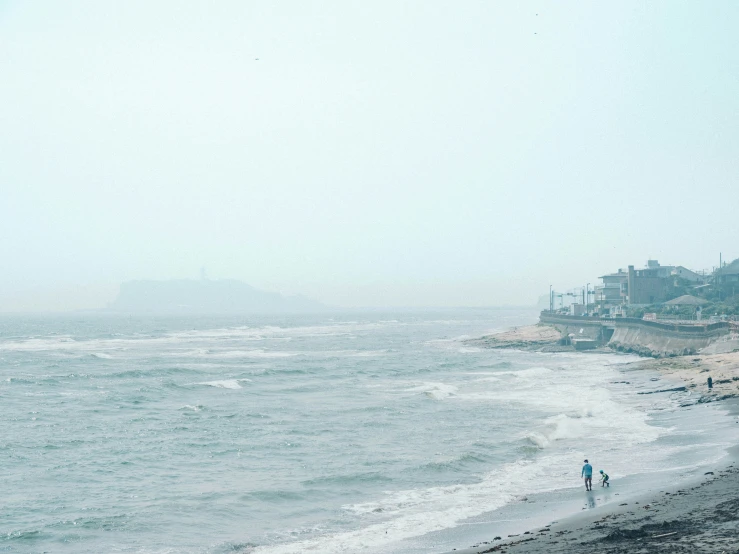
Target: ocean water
<point x="358" y="432"/>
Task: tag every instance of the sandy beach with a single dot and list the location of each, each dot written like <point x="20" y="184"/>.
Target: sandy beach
<point x="692" y="372"/>
<point x="697" y="516"/>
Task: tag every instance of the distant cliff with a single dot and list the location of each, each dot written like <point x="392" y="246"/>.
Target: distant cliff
<point x="206" y="296"/>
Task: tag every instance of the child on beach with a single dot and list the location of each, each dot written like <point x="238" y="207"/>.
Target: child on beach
<point x="604" y="479"/>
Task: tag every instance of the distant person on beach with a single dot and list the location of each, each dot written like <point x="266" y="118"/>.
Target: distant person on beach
<point x="710" y="382"/>
<point x="587" y="474"/>
<point x="604" y="479"/>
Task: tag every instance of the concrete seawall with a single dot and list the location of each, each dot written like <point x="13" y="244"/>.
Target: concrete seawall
<point x="647" y="338"/>
<point x="654" y="342"/>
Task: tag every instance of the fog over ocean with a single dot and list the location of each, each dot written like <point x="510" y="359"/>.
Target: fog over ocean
<point x="366" y="431"/>
<point x="360" y="171"/>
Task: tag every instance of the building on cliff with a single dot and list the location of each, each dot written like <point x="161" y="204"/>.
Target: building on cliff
<point x="634" y="286"/>
<point x="685" y="273"/>
<point x="730" y="273"/>
<point x="648" y="286"/>
<point x="613" y="292"/>
<point x="651" y="285"/>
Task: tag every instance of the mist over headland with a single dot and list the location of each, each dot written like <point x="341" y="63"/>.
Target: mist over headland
<point x="206" y="297"/>
<point x="361" y="155"/>
<point x="340" y="277"/>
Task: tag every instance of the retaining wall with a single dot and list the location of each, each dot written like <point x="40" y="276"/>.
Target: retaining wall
<point x="648" y="338"/>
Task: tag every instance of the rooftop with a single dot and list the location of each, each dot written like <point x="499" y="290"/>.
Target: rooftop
<point x="685" y="300"/>
<point x="619" y="274"/>
<point x="732" y="268"/>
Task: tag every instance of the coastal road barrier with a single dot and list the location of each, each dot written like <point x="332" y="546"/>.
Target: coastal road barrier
<point x="648" y="338"/>
<point x="697" y="328"/>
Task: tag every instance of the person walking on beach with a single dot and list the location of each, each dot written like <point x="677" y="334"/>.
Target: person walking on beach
<point x="587" y="474"/>
<point x="604" y="479"/>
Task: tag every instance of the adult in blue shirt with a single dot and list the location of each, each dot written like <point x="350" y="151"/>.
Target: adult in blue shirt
<point x="587" y="474"/>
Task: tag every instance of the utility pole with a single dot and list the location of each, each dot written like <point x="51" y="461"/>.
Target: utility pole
<point x="551" y="299"/>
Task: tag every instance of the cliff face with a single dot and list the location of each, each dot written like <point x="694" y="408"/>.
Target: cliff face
<point x="205" y="296"/>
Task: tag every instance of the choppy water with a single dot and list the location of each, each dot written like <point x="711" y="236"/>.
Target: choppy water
<point x="344" y="433"/>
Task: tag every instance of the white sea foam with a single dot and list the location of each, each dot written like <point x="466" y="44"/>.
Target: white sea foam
<point x="225" y="383"/>
<point x="192" y="408"/>
<point x="367" y="353"/>
<point x="195" y="353"/>
<point x="193" y="337"/>
<point x="261" y="353"/>
<point x="469" y="350"/>
<point x="271" y="332"/>
<point x="437" y="391"/>
<point x="402" y="515"/>
<point x="37" y="345"/>
<point x="232" y="354"/>
<point x="490" y="379"/>
<point x="559" y="403"/>
<point x="411" y="513"/>
<point x="253" y="354"/>
<point x="576" y="396"/>
<point x="535" y="372"/>
<point x="562" y="427"/>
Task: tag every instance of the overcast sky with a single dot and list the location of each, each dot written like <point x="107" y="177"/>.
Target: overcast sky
<point x="363" y="153"/>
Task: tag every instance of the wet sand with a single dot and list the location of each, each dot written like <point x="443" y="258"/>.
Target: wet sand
<point x="698" y="518"/>
<point x="701" y="516"/>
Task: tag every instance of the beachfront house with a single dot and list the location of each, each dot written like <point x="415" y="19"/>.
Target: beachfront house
<point x="649" y="285"/>
<point x="685" y="273"/>
<point x="686" y="300"/>
<point x="611" y="295"/>
<point x="688" y="305"/>
<point x="730" y="273"/>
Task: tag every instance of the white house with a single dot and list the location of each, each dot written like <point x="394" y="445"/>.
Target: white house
<point x="685" y="273"/>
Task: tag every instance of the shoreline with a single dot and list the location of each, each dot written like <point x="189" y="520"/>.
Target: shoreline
<point x="692" y="372"/>
<point x="698" y="514"/>
<point x="643" y="338"/>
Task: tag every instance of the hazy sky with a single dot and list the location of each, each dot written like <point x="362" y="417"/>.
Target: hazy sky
<point x="363" y="153"/>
